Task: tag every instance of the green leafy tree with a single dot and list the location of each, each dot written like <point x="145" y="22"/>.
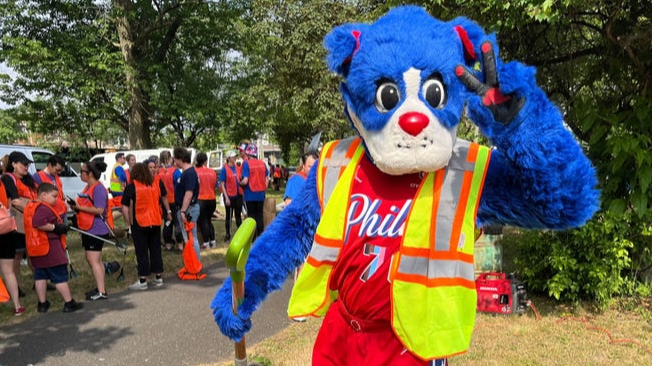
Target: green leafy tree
<point x="144" y="67"/>
<point x="593" y="58"/>
<point x="288" y="90"/>
<point x="10" y="130"/>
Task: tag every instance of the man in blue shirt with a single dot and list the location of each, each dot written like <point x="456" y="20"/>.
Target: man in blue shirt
<point x="296" y="182"/>
<point x="185" y="195"/>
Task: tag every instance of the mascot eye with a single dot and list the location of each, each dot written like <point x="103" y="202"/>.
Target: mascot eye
<point x="434" y="92"/>
<point x="387" y="96"/>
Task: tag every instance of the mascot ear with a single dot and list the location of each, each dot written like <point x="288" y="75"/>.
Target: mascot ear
<point x="342" y="43"/>
<point x="471" y="37"/>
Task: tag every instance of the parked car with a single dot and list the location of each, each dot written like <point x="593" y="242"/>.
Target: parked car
<point x="141" y="155"/>
<point x="72" y="183"/>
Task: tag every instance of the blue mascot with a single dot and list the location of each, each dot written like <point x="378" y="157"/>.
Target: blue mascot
<point x="385" y="222"/>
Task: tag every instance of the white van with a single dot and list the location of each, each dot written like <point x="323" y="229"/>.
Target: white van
<point x="72" y="183"/>
<point x="215" y="160"/>
<point x="141" y="155"/>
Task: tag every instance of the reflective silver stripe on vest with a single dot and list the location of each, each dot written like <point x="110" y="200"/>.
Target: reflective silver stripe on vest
<point x="450" y="193"/>
<point x="334" y="165"/>
<point x="435" y="269"/>
<point x="323" y="253"/>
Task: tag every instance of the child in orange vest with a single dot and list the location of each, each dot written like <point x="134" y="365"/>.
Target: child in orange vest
<point x="45" y="242"/>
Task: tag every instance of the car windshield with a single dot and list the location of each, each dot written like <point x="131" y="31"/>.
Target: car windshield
<point x="40" y="159"/>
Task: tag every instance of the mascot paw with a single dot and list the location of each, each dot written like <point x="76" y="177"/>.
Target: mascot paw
<point x="504" y="108"/>
<point x="230" y="324"/>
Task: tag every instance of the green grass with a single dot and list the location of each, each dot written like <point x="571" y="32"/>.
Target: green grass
<point x="562" y="336"/>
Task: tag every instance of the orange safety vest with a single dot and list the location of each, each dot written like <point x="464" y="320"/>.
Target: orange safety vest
<point x="207" y="181"/>
<point x="23" y="190"/>
<point x="60" y="206"/>
<point x="257" y="175"/>
<point x="36" y="241"/>
<point x="147" y="210"/>
<point x="167" y="176"/>
<point x="431" y="275"/>
<point x="233" y="189"/>
<point x="277" y="172"/>
<point x="3" y="195"/>
<point x="85" y="219"/>
<point x="128" y="176"/>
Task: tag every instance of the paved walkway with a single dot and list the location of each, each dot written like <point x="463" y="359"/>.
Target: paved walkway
<point x="171" y="325"/>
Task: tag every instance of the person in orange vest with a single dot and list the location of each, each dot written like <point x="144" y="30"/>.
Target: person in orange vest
<point x="131" y="161"/>
<point x="21" y="188"/>
<point x="254" y="181"/>
<point x="8" y="252"/>
<point x="169" y="175"/>
<point x="207" y="204"/>
<point x="94" y="217"/>
<point x="277" y="177"/>
<point x="231" y="192"/>
<point x="295" y="183"/>
<point x="46" y="247"/>
<point x="153" y="167"/>
<point x="50" y="174"/>
<point x="141" y="208"/>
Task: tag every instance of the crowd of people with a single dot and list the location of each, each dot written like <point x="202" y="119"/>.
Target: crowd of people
<point x="155" y="198"/>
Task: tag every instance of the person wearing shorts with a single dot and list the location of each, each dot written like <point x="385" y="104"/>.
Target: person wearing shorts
<point x="7" y="255"/>
<point x="92" y="210"/>
<point x="47" y="230"/>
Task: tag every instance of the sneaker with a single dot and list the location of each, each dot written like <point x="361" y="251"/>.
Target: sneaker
<point x="71" y="306"/>
<point x="90" y="293"/>
<point x="138" y="286"/>
<point x="43" y="307"/>
<point x="158" y="282"/>
<point x="19" y="311"/>
<point x="301" y="319"/>
<point x="98" y="296"/>
<point x="213" y="244"/>
<point x="204" y="246"/>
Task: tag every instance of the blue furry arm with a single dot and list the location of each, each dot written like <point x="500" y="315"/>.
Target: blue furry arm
<point x="538" y="175"/>
<point x="282" y="247"/>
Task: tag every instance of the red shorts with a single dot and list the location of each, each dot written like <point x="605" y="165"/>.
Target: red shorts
<point x="345" y="340"/>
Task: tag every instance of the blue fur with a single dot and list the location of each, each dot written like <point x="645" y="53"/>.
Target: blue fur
<point x="538" y="176"/>
<point x="282" y="247"/>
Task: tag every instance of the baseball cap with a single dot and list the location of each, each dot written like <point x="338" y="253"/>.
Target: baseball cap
<point x="231" y="154"/>
<point x="242" y="146"/>
<point x="19" y="157"/>
<point x="251" y="150"/>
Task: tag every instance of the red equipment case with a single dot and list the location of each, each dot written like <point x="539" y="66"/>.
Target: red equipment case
<point x="500" y="293"/>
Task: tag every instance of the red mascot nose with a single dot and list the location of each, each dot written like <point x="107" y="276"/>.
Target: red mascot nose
<point x="413" y="122"/>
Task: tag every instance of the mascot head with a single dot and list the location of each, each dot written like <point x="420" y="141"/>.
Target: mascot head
<point x="400" y="88"/>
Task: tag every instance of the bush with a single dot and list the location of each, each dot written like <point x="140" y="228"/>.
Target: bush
<point x="591" y="263"/>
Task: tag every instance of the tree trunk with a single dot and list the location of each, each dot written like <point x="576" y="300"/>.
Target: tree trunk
<point x="139" y="134"/>
<point x="139" y="137"/>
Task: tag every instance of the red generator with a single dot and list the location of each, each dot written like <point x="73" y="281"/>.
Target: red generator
<point x="500" y="293"/>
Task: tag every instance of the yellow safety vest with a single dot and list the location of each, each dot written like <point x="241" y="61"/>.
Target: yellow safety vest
<point x="116" y="185"/>
<point x="432" y="277"/>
